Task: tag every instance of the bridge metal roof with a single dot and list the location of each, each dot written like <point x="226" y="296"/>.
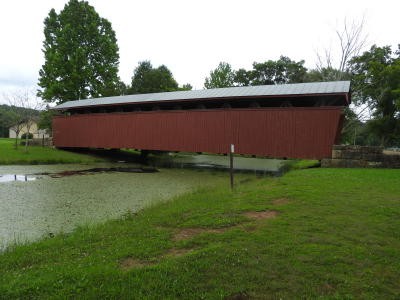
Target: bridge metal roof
<point x="296" y="89"/>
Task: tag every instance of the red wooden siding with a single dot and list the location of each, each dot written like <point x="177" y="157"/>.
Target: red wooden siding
<point x="272" y="132"/>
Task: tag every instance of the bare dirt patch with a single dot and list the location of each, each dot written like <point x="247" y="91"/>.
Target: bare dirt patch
<point x="280" y="201"/>
<point x="327" y="289"/>
<point x="130" y="263"/>
<point x="261" y="215"/>
<point x="188" y="233"/>
<point x="250" y="227"/>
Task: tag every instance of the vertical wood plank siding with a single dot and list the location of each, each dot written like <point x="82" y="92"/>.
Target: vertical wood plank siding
<point x="272" y="132"/>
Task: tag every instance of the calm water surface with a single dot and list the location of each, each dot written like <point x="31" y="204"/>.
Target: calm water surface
<point x="44" y="205"/>
<point x="247" y="164"/>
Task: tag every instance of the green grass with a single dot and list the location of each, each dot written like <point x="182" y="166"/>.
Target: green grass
<point x="38" y="155"/>
<point x="337" y="236"/>
<point x="304" y="164"/>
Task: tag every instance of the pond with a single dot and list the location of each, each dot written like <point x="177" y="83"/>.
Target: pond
<point x="220" y="162"/>
<point x="36" y="202"/>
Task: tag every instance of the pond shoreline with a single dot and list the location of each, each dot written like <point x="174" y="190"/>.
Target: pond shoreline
<point x="34" y="208"/>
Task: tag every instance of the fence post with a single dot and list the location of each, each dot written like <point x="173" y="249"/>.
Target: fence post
<point x="231" y="151"/>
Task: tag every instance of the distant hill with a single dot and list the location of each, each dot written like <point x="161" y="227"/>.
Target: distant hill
<point x="5" y="110"/>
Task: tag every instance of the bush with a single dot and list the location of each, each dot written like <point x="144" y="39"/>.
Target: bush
<point x="30" y="136"/>
<point x="34" y="142"/>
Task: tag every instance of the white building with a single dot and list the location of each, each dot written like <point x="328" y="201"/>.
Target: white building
<point x="37" y="133"/>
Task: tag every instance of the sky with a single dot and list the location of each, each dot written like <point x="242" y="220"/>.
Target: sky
<point x="192" y="37"/>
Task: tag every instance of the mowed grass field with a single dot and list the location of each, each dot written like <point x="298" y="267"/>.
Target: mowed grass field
<point x="38" y="155"/>
<point x="315" y="233"/>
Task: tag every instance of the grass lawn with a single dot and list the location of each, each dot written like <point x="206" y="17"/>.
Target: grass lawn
<point x="38" y="155"/>
<point x="315" y="233"/>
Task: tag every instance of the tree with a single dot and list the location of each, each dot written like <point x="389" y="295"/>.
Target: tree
<point x="222" y="76"/>
<point x="22" y="112"/>
<point x="351" y="41"/>
<point x="45" y="120"/>
<point x="281" y="71"/>
<point x="185" y="87"/>
<point x="243" y="77"/>
<point x="147" y="79"/>
<point x="17" y="123"/>
<point x="376" y="82"/>
<point x="352" y="128"/>
<point x="81" y="55"/>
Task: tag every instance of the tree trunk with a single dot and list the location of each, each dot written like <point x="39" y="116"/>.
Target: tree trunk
<point x="16" y="141"/>
<point x="26" y="141"/>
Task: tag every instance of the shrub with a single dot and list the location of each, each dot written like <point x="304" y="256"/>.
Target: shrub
<point x="30" y="136"/>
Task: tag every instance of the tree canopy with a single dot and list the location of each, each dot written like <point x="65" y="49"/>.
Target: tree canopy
<point x="222" y="76"/>
<point x="147" y="79"/>
<point x="45" y="119"/>
<point x="283" y="70"/>
<point x="81" y="55"/>
<point x="376" y="83"/>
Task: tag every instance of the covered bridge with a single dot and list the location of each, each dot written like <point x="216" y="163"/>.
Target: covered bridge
<point x="293" y="120"/>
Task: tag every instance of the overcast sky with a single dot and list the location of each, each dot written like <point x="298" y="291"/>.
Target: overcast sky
<point x="192" y="37"/>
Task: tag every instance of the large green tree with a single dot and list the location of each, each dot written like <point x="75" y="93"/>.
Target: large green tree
<point x="376" y="83"/>
<point x="81" y="55"/>
<point x="222" y="76"/>
<point x="147" y="79"/>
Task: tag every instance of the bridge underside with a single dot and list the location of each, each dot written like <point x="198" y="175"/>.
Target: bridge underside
<point x="292" y="132"/>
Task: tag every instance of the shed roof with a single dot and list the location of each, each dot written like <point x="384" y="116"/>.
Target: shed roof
<point x="296" y="89"/>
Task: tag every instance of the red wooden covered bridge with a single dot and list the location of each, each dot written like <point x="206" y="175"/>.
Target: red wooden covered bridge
<point x="293" y="120"/>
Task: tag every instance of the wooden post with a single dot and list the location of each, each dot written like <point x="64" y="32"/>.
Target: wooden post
<point x="232" y="150"/>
